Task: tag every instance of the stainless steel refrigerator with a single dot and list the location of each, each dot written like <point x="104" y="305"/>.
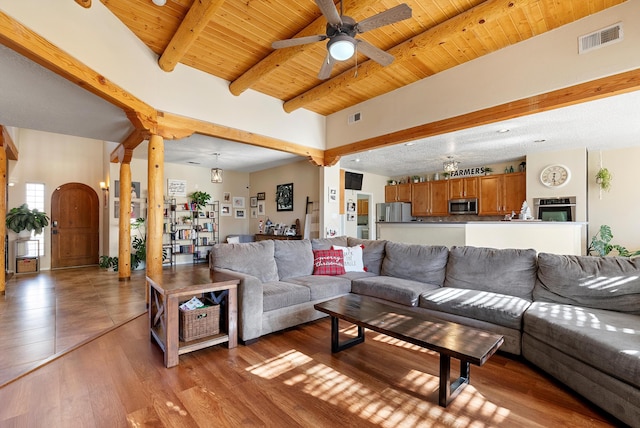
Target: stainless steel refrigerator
<point x="393" y="212"/>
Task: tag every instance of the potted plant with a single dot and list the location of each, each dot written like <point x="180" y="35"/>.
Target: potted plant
<point x="108" y="263"/>
<point x="603" y="178"/>
<point x="200" y="199"/>
<point x="24" y="219"/>
<point x="416" y="178"/>
<point x="139" y="244"/>
<point x="488" y="170"/>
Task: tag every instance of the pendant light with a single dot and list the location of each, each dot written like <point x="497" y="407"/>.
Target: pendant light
<point x="216" y="173"/>
<point x="450" y="165"/>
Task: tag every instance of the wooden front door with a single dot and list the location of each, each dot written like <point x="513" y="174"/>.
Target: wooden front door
<point x="74" y="226"/>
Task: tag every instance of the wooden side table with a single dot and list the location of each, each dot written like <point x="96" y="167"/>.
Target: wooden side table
<point x="167" y="290"/>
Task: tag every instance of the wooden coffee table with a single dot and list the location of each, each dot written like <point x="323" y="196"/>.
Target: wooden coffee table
<point x="451" y="340"/>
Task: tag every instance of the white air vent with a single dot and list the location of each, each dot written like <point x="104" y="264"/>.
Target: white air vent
<point x="600" y="38"/>
<point x="356" y="117"/>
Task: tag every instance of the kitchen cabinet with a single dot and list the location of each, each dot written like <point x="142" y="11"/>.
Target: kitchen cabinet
<point x="501" y="194"/>
<point x="398" y="193"/>
<point x="463" y="188"/>
<point x="363" y="207"/>
<point x="430" y="198"/>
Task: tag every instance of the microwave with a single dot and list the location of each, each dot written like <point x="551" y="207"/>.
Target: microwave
<point x="463" y="206"/>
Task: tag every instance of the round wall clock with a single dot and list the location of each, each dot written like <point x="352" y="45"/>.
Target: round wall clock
<point x="555" y="175"/>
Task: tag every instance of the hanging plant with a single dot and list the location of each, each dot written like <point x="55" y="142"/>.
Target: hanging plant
<point x="603" y="178"/>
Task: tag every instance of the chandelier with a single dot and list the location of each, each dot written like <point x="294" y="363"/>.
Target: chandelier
<point x="450" y="165"/>
<point x="216" y="173"/>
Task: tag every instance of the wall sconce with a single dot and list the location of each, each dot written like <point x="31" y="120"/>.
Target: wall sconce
<point x="105" y="192"/>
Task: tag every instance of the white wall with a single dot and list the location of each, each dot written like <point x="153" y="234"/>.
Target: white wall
<point x="197" y="178"/>
<point x="620" y="206"/>
<point x="304" y="177"/>
<point x="185" y="91"/>
<point x="576" y="161"/>
<point x="373" y="185"/>
<point x="52" y="159"/>
<point x="537" y="65"/>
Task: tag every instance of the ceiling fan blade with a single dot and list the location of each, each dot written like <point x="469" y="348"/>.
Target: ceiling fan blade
<point x="297" y="41"/>
<point x="387" y="17"/>
<point x="376" y="54"/>
<point x="328" y="9"/>
<point x="327" y="66"/>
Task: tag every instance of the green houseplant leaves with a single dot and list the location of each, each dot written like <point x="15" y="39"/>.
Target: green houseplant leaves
<point x="22" y="218"/>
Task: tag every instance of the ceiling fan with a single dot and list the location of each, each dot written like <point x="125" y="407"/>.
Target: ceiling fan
<point x="341" y="32"/>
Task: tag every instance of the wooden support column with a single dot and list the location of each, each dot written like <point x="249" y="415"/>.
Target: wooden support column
<point x="3" y="216"/>
<point x="155" y="206"/>
<point x="124" y="223"/>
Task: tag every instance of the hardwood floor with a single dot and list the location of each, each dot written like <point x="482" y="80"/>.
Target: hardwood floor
<point x="288" y="378"/>
<point x="47" y="313"/>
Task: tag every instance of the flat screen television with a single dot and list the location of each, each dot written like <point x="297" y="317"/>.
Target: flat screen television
<point x="352" y="180"/>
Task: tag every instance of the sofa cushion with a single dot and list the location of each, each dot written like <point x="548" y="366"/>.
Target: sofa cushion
<point x="328" y="262"/>
<point x="352" y="258"/>
<point x="606" y="340"/>
<point x="324" y="287"/>
<point x="499" y="309"/>
<point x="399" y="290"/>
<point x="422" y="263"/>
<point x="253" y="258"/>
<point x="597" y="282"/>
<point x="502" y="271"/>
<point x="327" y="243"/>
<point x="293" y="258"/>
<point x="372" y="254"/>
<point x="280" y="294"/>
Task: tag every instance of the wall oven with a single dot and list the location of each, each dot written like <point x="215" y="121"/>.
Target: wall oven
<point x="556" y="209"/>
<point x="463" y="206"/>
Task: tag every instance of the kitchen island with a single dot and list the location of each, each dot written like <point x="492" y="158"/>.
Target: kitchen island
<point x="543" y="236"/>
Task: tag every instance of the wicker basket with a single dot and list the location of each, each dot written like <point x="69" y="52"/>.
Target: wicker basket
<point x="199" y="323"/>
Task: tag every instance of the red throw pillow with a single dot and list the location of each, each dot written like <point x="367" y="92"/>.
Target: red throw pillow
<point x="328" y="262"/>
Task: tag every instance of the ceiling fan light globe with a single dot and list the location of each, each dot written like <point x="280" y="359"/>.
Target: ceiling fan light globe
<point x="341" y="47"/>
<point x="159" y="2"/>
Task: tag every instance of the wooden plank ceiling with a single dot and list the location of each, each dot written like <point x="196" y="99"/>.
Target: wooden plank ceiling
<point x="236" y="35"/>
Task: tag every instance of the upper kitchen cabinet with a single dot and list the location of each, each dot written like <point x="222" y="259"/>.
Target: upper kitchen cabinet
<point x="430" y="198"/>
<point x="501" y="194"/>
<point x="398" y="193"/>
<point x="460" y="188"/>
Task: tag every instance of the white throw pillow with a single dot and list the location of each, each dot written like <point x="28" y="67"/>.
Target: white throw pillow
<point x="352" y="258"/>
<point x="233" y="239"/>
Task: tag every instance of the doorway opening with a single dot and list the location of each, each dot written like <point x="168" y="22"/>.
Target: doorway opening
<point x="365" y="229"/>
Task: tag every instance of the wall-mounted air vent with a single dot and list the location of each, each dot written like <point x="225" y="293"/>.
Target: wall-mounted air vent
<point x="356" y="117"/>
<point x="600" y="38"/>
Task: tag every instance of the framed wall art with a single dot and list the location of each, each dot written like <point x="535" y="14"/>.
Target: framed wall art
<point x="176" y="187"/>
<point x="261" y="196"/>
<point x="284" y="197"/>
<point x="238" y="202"/>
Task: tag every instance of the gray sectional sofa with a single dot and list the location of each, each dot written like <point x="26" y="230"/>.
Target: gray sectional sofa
<point x="575" y="317"/>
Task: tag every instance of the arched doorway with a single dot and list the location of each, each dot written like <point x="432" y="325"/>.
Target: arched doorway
<point x="74" y="226"/>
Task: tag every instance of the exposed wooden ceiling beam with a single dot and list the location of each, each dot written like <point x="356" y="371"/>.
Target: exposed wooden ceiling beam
<point x="596" y="89"/>
<point x="465" y="22"/>
<point x="196" y="19"/>
<point x="84" y="3"/>
<point x="7" y="142"/>
<point x="172" y="123"/>
<point x="281" y="56"/>
<point x="124" y="152"/>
